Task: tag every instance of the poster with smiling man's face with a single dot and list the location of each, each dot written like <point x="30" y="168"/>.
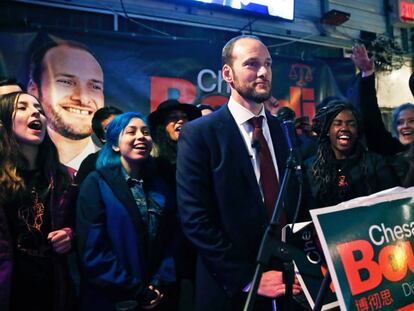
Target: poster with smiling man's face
<point x="68" y="80"/>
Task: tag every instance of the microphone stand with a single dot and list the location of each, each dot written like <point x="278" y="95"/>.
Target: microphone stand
<point x="273" y="252"/>
<point x="322" y="292"/>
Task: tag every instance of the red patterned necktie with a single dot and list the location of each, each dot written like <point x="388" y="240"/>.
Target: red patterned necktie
<point x="268" y="177"/>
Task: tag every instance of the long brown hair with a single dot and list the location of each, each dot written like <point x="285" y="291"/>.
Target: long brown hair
<point x="12" y="160"/>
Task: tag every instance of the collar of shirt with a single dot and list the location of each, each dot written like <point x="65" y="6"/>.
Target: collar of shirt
<point x="129" y="179"/>
<point x="242" y="114"/>
<point x="76" y="161"/>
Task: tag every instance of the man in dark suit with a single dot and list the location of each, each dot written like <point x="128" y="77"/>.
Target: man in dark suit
<point x="222" y="197"/>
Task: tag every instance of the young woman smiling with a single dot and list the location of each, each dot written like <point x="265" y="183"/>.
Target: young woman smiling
<point x="121" y="223"/>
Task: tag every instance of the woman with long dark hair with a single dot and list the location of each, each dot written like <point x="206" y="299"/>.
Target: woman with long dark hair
<point x="166" y="123"/>
<point x="121" y="217"/>
<point x="35" y="210"/>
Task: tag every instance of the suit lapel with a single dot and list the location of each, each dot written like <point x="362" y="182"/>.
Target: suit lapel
<point x="230" y="137"/>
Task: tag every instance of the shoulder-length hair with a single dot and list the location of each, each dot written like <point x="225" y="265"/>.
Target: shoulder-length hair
<point x="12" y="160"/>
<point x="108" y="156"/>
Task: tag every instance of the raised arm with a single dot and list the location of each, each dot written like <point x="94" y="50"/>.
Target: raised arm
<point x="379" y="139"/>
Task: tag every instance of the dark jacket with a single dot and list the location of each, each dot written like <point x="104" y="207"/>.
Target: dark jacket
<point x="61" y="204"/>
<point x="87" y="166"/>
<point x="364" y="173"/>
<point x="116" y="259"/>
<point x="221" y="207"/>
<point x="378" y="138"/>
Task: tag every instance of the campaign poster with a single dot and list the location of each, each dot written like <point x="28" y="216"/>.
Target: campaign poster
<point x="310" y="264"/>
<point x="87" y="71"/>
<point x="368" y="244"/>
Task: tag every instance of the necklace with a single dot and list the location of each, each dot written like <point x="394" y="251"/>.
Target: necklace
<point x="342" y="182"/>
<point x="38" y="210"/>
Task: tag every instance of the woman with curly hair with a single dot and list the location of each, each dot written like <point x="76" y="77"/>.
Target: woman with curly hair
<point x="35" y="210"/>
<point x="343" y="168"/>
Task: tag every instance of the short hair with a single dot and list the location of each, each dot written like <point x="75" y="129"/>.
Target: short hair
<point x="395" y="114"/>
<point x="107" y="156"/>
<point x="101" y="115"/>
<point x="227" y="52"/>
<point x="36" y="61"/>
<point x="4" y="81"/>
<point x="8" y="81"/>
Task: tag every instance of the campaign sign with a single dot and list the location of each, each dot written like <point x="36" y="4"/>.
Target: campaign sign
<point x="368" y="245"/>
<point x="309" y="262"/>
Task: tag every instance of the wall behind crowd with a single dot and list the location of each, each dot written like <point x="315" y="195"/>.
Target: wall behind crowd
<point x="141" y="72"/>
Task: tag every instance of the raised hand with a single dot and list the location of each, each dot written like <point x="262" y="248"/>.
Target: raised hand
<point x="361" y="60"/>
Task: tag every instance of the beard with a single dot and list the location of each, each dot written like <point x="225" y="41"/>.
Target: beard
<point x="73" y="130"/>
<point x="249" y="92"/>
<point x="64" y="125"/>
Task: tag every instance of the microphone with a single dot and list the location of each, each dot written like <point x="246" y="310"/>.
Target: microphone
<point x="294" y="161"/>
<point x="290" y="134"/>
<point x="256" y="145"/>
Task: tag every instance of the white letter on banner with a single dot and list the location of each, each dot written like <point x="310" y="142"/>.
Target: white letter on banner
<point x="200" y="80"/>
<point x="371" y="236"/>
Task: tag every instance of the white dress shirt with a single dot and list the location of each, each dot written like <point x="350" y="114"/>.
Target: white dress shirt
<point x="242" y="116"/>
<point x="76" y="161"/>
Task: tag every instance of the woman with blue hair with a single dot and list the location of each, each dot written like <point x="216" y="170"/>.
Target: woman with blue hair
<point x="121" y="222"/>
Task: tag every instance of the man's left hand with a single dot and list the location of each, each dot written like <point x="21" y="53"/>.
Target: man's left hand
<point x="272" y="286"/>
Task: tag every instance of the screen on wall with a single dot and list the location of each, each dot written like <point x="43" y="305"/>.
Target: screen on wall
<point x="277" y="8"/>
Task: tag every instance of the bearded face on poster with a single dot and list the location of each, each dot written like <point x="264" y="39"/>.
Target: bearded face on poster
<point x="69" y="82"/>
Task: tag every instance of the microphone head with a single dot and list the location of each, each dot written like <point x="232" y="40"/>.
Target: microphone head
<point x="256" y="145"/>
<point x="290" y="133"/>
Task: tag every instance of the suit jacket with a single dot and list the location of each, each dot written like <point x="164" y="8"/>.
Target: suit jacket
<point x="220" y="205"/>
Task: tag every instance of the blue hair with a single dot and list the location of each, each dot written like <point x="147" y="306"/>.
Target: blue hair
<point x="107" y="155"/>
<point x="396" y="114"/>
